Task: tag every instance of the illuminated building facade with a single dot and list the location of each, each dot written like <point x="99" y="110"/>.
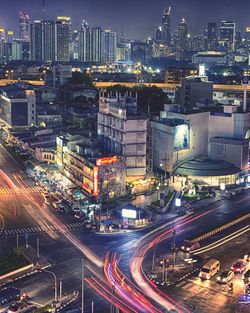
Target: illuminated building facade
<point x="24" y="26"/>
<point x="100" y="176"/>
<point x="62" y="39"/>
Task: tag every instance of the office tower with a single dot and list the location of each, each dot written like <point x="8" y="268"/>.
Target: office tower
<point x="181" y="39"/>
<point x="198" y="43"/>
<point x="227" y="35"/>
<point x="43" y="40"/>
<point x="74" y="46"/>
<point x="247" y="37"/>
<point x="139" y="52"/>
<point x="166" y="26"/>
<point x="2" y="34"/>
<point x="84" y="43"/>
<point x="24" y="26"/>
<point x="9" y="37"/>
<point x="62" y="39"/>
<point x="96" y="43"/>
<point x="212" y="39"/>
<point x="158" y="34"/>
<point x="110" y="46"/>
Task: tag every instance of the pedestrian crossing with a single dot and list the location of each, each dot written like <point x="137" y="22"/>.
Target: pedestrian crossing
<point x="40" y="229"/>
<point x="20" y="191"/>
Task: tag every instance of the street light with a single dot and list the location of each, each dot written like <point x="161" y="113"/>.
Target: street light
<point x="55" y="278"/>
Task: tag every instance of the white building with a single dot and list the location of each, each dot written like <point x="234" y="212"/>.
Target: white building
<point x="121" y="130"/>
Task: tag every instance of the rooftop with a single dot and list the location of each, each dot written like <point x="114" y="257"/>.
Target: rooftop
<point x="204" y="166"/>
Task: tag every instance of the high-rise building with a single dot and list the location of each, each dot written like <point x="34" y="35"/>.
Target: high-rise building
<point x="158" y="34"/>
<point x="96" y="44"/>
<point x="43" y="40"/>
<point x="212" y="39"/>
<point x="62" y="39"/>
<point x="110" y="46"/>
<point x="247" y="37"/>
<point x="24" y="26"/>
<point x="166" y="26"/>
<point x="139" y="52"/>
<point x="84" y="43"/>
<point x="182" y="39"/>
<point x="227" y="35"/>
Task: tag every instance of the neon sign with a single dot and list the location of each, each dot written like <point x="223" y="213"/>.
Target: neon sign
<point x="95" y="190"/>
<point x="106" y="161"/>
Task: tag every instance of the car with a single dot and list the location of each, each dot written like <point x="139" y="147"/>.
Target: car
<point x="189" y="246"/>
<point x="246" y="276"/>
<point x="238" y="267"/>
<point x="225" y="277"/>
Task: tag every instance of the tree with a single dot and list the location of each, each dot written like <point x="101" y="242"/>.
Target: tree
<point x="81" y="78"/>
<point x="149" y="99"/>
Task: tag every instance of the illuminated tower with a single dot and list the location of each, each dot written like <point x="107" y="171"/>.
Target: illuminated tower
<point x="166" y="26"/>
<point x="24" y="26"/>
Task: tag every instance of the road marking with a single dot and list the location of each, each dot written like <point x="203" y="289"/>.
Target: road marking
<point x="187" y="286"/>
<point x="181" y="283"/>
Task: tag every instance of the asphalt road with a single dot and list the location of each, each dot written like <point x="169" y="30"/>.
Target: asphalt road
<point x="66" y="258"/>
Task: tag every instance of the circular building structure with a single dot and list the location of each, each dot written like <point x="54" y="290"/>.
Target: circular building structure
<point x="208" y="172"/>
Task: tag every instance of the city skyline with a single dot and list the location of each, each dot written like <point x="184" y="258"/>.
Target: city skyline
<point x="113" y="15"/>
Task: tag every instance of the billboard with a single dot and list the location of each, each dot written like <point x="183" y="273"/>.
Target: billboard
<point x="181" y="137"/>
<point x="129" y="213"/>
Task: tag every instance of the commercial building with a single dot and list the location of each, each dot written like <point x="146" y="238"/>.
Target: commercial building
<point x="123" y="131"/>
<point x="195" y="89"/>
<point x="18" y="105"/>
<point x="212" y="38"/>
<point x="110" y="45"/>
<point x="166" y="27"/>
<point x="84" y="54"/>
<point x="97" y="45"/>
<point x="210" y="58"/>
<point x="62" y="39"/>
<point x="24" y="26"/>
<point x="208" y="146"/>
<point x="227" y="35"/>
<point x="102" y="177"/>
<point x="42" y="40"/>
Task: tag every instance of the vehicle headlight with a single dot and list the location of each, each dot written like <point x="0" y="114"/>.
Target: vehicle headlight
<point x="224" y="279"/>
<point x="200" y="274"/>
<point x="188" y="249"/>
<point x="218" y="278"/>
<point x="183" y="248"/>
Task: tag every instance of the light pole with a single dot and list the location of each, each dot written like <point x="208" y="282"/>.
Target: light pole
<point x="55" y="278"/>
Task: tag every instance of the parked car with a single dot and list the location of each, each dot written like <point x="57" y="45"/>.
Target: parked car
<point x="238" y="266"/>
<point x="225" y="277"/>
<point x="209" y="269"/>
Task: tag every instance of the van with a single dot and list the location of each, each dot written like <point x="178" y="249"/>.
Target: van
<point x="209" y="269"/>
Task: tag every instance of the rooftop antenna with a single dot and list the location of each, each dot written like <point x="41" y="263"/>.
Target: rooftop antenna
<point x="44" y="9"/>
<point x="122" y="30"/>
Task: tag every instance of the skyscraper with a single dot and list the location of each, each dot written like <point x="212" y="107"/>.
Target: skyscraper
<point x="24" y="26"/>
<point x="212" y="39"/>
<point x="182" y="39"/>
<point x="43" y="40"/>
<point x="166" y="26"/>
<point x="110" y="45"/>
<point x="84" y="43"/>
<point x="62" y="38"/>
<point x="227" y="35"/>
<point x="97" y="45"/>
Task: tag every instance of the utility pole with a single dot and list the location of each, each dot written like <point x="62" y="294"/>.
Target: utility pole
<point x="82" y="285"/>
<point x="153" y="260"/>
<point x="17" y="241"/>
<point x="92" y="307"/>
<point x="60" y="291"/>
<point x="37" y="249"/>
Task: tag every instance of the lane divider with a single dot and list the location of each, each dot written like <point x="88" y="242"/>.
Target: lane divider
<point x="217" y="230"/>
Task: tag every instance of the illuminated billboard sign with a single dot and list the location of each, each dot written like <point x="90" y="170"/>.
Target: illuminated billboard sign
<point x="106" y="161"/>
<point x="181" y="137"/>
<point x="129" y="213"/>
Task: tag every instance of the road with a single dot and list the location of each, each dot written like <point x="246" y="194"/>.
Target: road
<point x="65" y="248"/>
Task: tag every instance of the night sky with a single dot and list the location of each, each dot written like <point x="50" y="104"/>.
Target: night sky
<point x="139" y="16"/>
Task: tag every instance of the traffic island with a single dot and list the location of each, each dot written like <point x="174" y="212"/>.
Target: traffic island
<point x="13" y="264"/>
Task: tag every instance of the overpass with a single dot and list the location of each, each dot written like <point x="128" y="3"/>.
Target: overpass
<point x="4" y="82"/>
<point x="169" y="87"/>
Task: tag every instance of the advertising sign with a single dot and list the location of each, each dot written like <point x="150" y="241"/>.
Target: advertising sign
<point x="181" y="137"/>
<point x="129" y="213"/>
